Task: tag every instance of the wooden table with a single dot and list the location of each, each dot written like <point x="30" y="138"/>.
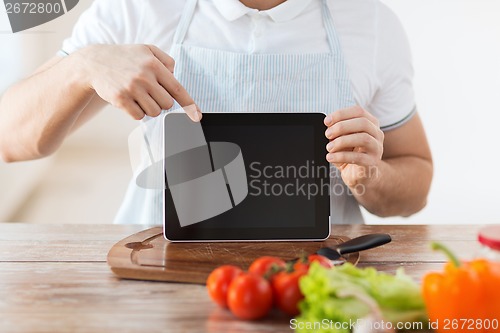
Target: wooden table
<point x="54" y="278"/>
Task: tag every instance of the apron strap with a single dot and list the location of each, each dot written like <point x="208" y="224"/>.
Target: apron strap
<point x="332" y="36"/>
<point x="184" y="22"/>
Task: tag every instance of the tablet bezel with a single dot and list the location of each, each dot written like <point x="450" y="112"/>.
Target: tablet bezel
<point x="321" y="229"/>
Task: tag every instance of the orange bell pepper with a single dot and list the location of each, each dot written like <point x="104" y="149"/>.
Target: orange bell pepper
<point x="465" y="297"/>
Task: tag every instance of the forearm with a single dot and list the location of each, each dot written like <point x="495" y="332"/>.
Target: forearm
<point x="37" y="113"/>
<point x="397" y="187"/>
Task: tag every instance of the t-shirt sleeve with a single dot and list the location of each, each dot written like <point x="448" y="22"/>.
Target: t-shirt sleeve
<point x="394" y="100"/>
<point x="101" y="23"/>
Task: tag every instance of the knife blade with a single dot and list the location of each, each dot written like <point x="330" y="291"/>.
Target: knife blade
<point x="357" y="244"/>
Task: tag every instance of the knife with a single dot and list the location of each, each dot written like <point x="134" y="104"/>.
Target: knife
<point x="357" y="244"/>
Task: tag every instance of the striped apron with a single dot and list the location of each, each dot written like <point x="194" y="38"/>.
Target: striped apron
<point x="222" y="81"/>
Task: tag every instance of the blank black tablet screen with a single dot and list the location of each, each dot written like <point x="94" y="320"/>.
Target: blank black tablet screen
<point x="287" y="177"/>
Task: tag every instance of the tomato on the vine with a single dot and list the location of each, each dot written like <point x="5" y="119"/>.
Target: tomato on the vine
<point x="250" y="296"/>
<point x="286" y="291"/>
<point x="218" y="283"/>
<point x="263" y="266"/>
<point x="270" y="280"/>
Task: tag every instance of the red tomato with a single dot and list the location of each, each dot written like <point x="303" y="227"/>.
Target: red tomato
<point x="250" y="296"/>
<point x="218" y="283"/>
<point x="286" y="291"/>
<point x="304" y="266"/>
<point x="263" y="265"/>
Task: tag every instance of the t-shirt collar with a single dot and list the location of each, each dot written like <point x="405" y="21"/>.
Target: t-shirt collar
<point x="234" y="9"/>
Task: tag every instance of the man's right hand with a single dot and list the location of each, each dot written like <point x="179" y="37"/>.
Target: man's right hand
<point x="136" y="78"/>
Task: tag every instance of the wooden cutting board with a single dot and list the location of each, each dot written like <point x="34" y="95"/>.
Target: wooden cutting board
<point x="146" y="255"/>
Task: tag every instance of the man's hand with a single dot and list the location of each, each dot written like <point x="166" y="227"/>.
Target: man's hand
<point x="38" y="113"/>
<point x="356" y="145"/>
<point x="389" y="174"/>
<point x="136" y="78"/>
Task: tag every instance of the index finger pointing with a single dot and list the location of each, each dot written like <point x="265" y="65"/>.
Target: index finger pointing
<point x="177" y="91"/>
<point x="166" y="79"/>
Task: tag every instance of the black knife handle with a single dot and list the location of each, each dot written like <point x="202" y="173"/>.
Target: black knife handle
<point x="362" y="243"/>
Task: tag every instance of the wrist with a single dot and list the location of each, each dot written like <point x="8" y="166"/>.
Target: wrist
<point x="81" y="68"/>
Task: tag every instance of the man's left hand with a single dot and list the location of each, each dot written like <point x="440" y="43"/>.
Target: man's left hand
<point x="356" y="145"/>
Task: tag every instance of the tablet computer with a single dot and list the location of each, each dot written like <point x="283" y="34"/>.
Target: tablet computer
<point x="246" y="177"/>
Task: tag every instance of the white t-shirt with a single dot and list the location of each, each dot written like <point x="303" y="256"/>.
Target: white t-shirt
<point x="373" y="41"/>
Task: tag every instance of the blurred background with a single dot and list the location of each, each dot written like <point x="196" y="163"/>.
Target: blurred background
<point x="456" y="49"/>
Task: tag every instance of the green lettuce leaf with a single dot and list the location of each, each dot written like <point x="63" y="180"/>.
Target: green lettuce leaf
<point x="343" y="295"/>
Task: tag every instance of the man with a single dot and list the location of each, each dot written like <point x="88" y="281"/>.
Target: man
<point x="349" y="59"/>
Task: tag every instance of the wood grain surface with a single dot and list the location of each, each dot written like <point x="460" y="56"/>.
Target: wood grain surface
<point x="147" y="255"/>
<point x="54" y="278"/>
